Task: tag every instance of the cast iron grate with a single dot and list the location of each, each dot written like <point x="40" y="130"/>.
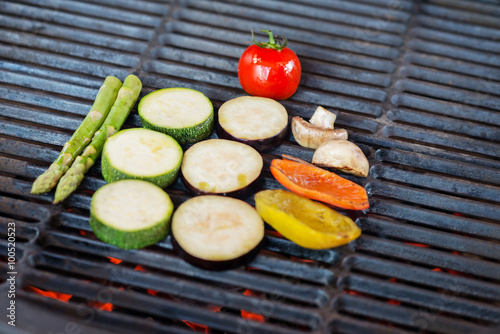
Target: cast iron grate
<point x="417" y="85"/>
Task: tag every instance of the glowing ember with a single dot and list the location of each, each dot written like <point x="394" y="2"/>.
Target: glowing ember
<point x="63" y="297"/>
<point x="416" y="244"/>
<point x="139" y="268"/>
<point x="152" y="292"/>
<point x="82" y="232"/>
<point x="453" y="272"/>
<point x="300" y="259"/>
<point x="108" y="307"/>
<point x="249" y="315"/>
<point x="196" y="327"/>
<point x="274" y="233"/>
<point x="114" y="261"/>
<point x="393" y="302"/>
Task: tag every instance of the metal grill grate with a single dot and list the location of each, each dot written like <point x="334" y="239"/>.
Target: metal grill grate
<point x="417" y="85"/>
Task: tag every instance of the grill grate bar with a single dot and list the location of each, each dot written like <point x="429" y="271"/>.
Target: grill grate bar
<point x="47" y="85"/>
<point x="443" y="184"/>
<point x="419" y="319"/>
<point x="420" y="92"/>
<point x="460" y="40"/>
<point x="419" y="297"/>
<point x="448" y="94"/>
<point x="431" y="237"/>
<point x="460" y="15"/>
<point x="458" y="27"/>
<point x="429" y="278"/>
<point x="433" y="200"/>
<point x="454" y="66"/>
<point x="455" y="52"/>
<point x="60" y="62"/>
<point x="446" y="108"/>
<point x="69" y="48"/>
<point x="294" y="21"/>
<point x="445" y="78"/>
<point x="105" y="12"/>
<point x="41" y="117"/>
<point x="444" y="123"/>
<point x="434" y="219"/>
<point x="54" y="16"/>
<point x="443" y="140"/>
<point x="336" y="13"/>
<point x="175" y="287"/>
<point x="472" y="170"/>
<point x="303" y="293"/>
<point x="429" y="257"/>
<point x="86" y="37"/>
<point x="346" y="325"/>
<point x="192" y="27"/>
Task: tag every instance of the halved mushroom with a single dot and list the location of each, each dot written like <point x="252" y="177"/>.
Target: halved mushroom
<point x="323" y="118"/>
<point x="342" y="155"/>
<point x="318" y="130"/>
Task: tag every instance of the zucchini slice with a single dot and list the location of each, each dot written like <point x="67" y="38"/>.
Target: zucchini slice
<point x="257" y="121"/>
<point x="216" y="232"/>
<point x="141" y="154"/>
<point x="219" y="166"/>
<point x="185" y="114"/>
<point x="130" y="213"/>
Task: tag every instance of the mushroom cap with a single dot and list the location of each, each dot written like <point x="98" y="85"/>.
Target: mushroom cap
<point x="308" y="135"/>
<point x="342" y="155"/>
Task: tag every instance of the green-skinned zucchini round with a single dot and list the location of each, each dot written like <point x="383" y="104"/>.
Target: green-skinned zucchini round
<point x="130" y="213"/>
<point x="185" y="114"/>
<point x="141" y="154"/>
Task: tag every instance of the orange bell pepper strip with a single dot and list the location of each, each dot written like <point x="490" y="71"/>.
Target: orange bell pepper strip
<point x="316" y="183"/>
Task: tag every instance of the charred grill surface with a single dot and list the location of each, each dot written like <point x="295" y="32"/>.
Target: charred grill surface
<point x="417" y="86"/>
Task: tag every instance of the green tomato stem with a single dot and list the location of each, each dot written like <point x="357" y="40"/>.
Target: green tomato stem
<point x="272" y="42"/>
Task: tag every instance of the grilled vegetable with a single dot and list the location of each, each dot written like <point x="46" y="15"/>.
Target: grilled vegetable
<point x="318" y="130"/>
<point x="184" y="114"/>
<point x="256" y="121"/>
<point x="313" y="182"/>
<point x="130" y="213"/>
<point x="219" y="166"/>
<point x="269" y="69"/>
<point x="81" y="137"/>
<point x="342" y="155"/>
<point x="307" y="223"/>
<point x="141" y="154"/>
<point x="323" y="118"/>
<point x="216" y="232"/>
<point x="125" y="100"/>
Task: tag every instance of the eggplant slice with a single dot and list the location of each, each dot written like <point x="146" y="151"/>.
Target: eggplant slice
<point x="222" y="167"/>
<point x="216" y="232"/>
<point x="256" y="121"/>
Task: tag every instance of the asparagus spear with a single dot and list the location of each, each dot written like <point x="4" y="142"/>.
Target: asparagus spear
<point x="127" y="96"/>
<point x="81" y="137"/>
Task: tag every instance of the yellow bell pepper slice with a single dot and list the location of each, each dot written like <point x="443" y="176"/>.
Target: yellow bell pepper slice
<point x="307" y="223"/>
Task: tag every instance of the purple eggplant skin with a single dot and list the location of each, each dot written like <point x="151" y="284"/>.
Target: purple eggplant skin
<point x="215" y="265"/>
<point x="247" y="190"/>
<point x="260" y="145"/>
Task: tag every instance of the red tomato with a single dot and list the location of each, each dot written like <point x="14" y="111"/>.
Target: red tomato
<point x="269" y="69"/>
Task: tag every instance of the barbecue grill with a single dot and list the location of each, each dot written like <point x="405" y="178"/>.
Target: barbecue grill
<point x="415" y="83"/>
